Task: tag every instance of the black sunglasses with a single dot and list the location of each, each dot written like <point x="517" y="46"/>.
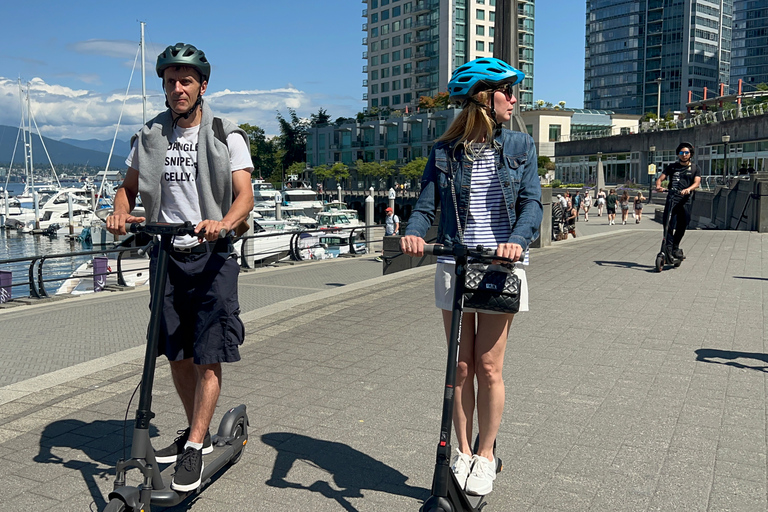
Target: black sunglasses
<point x="507" y="89"/>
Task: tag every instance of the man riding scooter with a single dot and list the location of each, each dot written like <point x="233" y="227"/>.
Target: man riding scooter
<point x="684" y="178"/>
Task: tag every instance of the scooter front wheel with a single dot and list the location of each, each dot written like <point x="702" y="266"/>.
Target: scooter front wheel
<point x="660" y="259"/>
<point x="117" y="505"/>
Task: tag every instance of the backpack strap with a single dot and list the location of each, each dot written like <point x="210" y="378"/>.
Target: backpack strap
<point x="218" y="130"/>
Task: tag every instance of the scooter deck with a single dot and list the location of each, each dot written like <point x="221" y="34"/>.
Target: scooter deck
<point x="212" y="464"/>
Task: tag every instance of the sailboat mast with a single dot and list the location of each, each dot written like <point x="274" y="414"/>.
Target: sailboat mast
<point x="24" y="134"/>
<point x="143" y="80"/>
<point x="29" y="125"/>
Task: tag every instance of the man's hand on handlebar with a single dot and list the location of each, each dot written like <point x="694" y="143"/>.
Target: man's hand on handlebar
<point x="412" y="245"/>
<point x="116" y="222"/>
<point x="213" y="230"/>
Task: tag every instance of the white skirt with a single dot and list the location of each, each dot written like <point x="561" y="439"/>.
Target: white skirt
<point x="445" y="279"/>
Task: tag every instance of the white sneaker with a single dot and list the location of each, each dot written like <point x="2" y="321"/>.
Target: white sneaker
<point x="461" y="463"/>
<point x="480" y="480"/>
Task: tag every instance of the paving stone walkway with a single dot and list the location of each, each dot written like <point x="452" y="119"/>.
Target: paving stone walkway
<point x="626" y="390"/>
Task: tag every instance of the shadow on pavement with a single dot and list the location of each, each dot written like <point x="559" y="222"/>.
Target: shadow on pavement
<point x="351" y="470"/>
<point x="626" y="264"/>
<point x="709" y="355"/>
<point x="753" y="278"/>
<point x="97" y="440"/>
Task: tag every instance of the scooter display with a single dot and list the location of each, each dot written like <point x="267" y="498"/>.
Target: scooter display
<point x="228" y="443"/>
<point x="665" y="256"/>
<point x="447" y="495"/>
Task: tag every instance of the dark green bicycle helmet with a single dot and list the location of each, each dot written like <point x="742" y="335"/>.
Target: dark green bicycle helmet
<point x="183" y="55"/>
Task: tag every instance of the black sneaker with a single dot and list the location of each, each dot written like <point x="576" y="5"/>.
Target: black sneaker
<point x="172" y="452"/>
<point x="189" y="471"/>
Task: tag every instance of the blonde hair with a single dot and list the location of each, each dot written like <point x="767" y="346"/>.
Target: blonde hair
<point x="473" y="117"/>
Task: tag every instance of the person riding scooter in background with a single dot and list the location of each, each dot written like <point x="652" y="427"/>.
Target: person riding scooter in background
<point x="684" y="178"/>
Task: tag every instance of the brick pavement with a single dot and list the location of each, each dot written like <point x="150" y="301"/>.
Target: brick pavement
<point x="626" y="390"/>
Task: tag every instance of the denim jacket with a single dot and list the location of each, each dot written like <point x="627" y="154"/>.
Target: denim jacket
<point x="517" y="168"/>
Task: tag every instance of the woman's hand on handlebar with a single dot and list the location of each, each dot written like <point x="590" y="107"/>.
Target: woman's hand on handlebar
<point x="116" y="222"/>
<point x="412" y="245"/>
<point x="512" y="251"/>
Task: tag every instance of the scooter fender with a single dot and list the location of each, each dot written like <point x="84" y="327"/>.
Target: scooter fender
<point x="228" y="422"/>
<point x="129" y="495"/>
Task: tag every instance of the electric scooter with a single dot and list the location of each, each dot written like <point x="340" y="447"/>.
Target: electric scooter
<point x="447" y="495"/>
<point x="228" y="443"/>
<point x="665" y="257"/>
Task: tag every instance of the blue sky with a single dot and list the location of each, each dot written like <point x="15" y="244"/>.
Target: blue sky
<point x="266" y="56"/>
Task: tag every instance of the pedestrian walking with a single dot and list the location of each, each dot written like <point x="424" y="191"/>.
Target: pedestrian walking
<point x="624" y="204"/>
<point x="486" y="198"/>
<point x="610" y="206"/>
<point x="587" y="206"/>
<point x="639" y="207"/>
<point x="570" y="220"/>
<point x="600" y="202"/>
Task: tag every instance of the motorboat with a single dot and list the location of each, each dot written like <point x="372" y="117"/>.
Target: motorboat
<point x="300" y="194"/>
<point x="135" y="272"/>
<point x="321" y="246"/>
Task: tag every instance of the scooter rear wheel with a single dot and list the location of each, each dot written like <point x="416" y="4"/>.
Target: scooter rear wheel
<point x="660" y="262"/>
<point x="116" y="505"/>
<point x="237" y="432"/>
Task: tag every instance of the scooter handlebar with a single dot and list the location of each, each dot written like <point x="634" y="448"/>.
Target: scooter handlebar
<point x="479" y="252"/>
<point x="162" y="228"/>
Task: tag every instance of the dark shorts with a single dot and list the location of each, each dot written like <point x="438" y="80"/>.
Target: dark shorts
<point x="201" y="313"/>
<point x="611" y="211"/>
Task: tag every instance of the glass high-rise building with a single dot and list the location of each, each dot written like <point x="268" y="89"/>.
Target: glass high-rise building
<point x="413" y="46"/>
<point x="749" y="57"/>
<point x="633" y="46"/>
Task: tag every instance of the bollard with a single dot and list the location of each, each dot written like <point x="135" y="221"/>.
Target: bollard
<point x="35" y="200"/>
<point x="369" y="222"/>
<point x="100" y="270"/>
<point x="278" y="206"/>
<point x="70" y="208"/>
<point x="5" y="207"/>
<point x="246" y="249"/>
<point x="339" y="188"/>
<point x="6" y="278"/>
<point x="392" y="195"/>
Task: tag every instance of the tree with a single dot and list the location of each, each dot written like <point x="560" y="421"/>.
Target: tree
<point x="322" y="117"/>
<point x="263" y="151"/>
<point x="439" y="100"/>
<point x="339" y="171"/>
<point x="296" y="168"/>
<point x="545" y="163"/>
<point x="413" y="169"/>
<point x="293" y="138"/>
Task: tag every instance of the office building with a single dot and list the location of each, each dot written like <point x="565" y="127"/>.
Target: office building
<point x="412" y="47"/>
<point x="749" y="56"/>
<point x="633" y="46"/>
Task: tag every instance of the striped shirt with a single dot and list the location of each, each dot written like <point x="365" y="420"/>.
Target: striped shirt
<point x="488" y="220"/>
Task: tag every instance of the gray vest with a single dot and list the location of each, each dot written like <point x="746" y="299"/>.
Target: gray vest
<point x="214" y="175"/>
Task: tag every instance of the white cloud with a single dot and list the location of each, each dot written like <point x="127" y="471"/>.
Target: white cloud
<point x="62" y="111"/>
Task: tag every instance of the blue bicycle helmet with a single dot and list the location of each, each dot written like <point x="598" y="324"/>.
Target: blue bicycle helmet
<point x="480" y="75"/>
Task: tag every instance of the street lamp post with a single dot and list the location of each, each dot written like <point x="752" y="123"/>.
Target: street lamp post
<point x="651" y="170"/>
<point x="658" y="101"/>
<point x="726" y="140"/>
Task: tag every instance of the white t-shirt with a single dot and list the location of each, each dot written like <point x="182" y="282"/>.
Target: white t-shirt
<point x="179" y="200"/>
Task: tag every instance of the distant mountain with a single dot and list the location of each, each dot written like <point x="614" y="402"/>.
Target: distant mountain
<point x="121" y="146"/>
<point x="61" y="152"/>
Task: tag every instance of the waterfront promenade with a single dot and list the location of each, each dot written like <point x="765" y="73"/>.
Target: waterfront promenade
<point x="626" y="389"/>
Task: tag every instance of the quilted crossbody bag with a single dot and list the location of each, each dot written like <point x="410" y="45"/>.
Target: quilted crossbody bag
<point x="486" y="289"/>
<point x="491" y="290"/>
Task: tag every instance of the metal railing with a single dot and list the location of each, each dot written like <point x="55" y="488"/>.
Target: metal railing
<point x="36" y="281"/>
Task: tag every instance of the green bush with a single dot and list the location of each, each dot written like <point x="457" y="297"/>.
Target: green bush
<point x="556" y="184"/>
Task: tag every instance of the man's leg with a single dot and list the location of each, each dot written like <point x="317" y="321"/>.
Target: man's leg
<point x="205" y="398"/>
<point x="185" y="381"/>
